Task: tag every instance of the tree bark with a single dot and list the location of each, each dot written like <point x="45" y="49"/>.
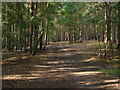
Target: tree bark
<point x="31" y="30"/>
<point x="35" y="33"/>
<point x="118" y="46"/>
<point x="108" y="25"/>
<point x="46" y="34"/>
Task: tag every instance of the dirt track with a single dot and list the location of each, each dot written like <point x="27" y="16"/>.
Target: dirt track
<point x="60" y="66"/>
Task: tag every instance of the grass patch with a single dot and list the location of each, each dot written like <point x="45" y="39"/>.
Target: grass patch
<point x="117" y="57"/>
<point x="111" y="72"/>
<point x="102" y="46"/>
<point x="109" y="58"/>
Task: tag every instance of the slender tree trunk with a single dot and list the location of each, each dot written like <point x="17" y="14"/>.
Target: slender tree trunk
<point x="13" y="30"/>
<point x="16" y="38"/>
<point x="28" y="30"/>
<point x="21" y="30"/>
<point x="9" y="40"/>
<point x="70" y="34"/>
<point x="24" y="37"/>
<point x="74" y="34"/>
<point x="31" y="30"/>
<point x="114" y="34"/>
<point x="108" y="25"/>
<point x="103" y="34"/>
<point x="46" y="34"/>
<point x="80" y="33"/>
<point x="41" y="41"/>
<point x="74" y="31"/>
<point x="35" y="33"/>
<point x="41" y="36"/>
<point x="25" y="40"/>
<point x="118" y="25"/>
<point x="95" y="37"/>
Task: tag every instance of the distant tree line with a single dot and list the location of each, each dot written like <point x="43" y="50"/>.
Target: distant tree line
<point x="31" y="25"/>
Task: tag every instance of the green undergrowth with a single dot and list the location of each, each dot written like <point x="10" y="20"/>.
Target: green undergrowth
<point x="110" y="72"/>
<point x="110" y="59"/>
<point x="101" y="45"/>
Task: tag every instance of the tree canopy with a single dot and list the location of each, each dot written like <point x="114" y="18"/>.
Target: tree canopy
<point x="34" y="24"/>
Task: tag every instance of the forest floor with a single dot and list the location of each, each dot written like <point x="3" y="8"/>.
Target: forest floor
<point x="61" y="65"/>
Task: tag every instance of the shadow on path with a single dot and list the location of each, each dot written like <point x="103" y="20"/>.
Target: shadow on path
<point x="61" y="66"/>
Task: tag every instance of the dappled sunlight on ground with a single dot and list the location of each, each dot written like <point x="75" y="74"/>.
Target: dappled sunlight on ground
<point x="13" y="77"/>
<point x="86" y="73"/>
<point x="41" y="66"/>
<point x="114" y="80"/>
<point x="62" y="66"/>
<point x="13" y="58"/>
<point x="55" y="62"/>
<point x="91" y="59"/>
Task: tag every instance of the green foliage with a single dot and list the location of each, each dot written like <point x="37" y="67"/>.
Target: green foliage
<point x="113" y="72"/>
<point x="71" y="16"/>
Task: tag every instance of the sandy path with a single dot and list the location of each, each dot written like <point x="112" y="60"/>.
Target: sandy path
<point x="61" y="66"/>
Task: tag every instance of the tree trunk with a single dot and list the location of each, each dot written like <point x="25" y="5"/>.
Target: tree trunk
<point x="118" y="25"/>
<point x="9" y="40"/>
<point x="108" y="26"/>
<point x="103" y="34"/>
<point x="28" y="30"/>
<point x="46" y="34"/>
<point x="31" y="30"/>
<point x="25" y="40"/>
<point x="13" y="30"/>
<point x="41" y="36"/>
<point x="95" y="37"/>
<point x="35" y="34"/>
<point x="41" y="41"/>
<point x="70" y="34"/>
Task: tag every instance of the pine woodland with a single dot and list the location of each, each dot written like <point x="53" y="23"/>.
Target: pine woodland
<point x="41" y="29"/>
